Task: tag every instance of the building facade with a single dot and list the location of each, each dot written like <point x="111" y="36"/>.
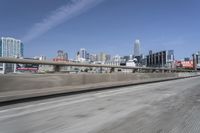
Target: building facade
<point x="161" y="59"/>
<point x="137" y="48"/>
<point x="10" y="47"/>
<point x="61" y="56"/>
<point x="83" y="53"/>
<point x="102" y="57"/>
<point x="198" y="61"/>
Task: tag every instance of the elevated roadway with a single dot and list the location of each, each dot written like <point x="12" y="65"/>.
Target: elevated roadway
<point x="57" y="65"/>
<point x="166" y="107"/>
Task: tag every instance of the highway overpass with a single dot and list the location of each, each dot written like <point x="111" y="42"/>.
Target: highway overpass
<point x="166" y="101"/>
<point x="57" y="65"/>
<point x="164" y="107"/>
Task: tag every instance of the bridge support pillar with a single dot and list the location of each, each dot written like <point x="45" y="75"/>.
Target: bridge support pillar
<point x="57" y="68"/>
<point x="134" y="70"/>
<point x="112" y="70"/>
<point x="101" y="70"/>
<point x="153" y="71"/>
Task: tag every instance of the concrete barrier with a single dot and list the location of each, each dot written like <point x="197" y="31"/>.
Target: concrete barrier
<point x="29" y="82"/>
<point x="14" y="87"/>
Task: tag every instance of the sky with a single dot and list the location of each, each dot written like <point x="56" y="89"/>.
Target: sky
<point x="110" y="26"/>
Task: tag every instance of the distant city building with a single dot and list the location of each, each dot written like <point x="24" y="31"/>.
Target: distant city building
<point x="102" y="57"/>
<point x="170" y="55"/>
<point x="93" y="57"/>
<point x="27" y="68"/>
<point x="196" y="60"/>
<point x="44" y="68"/>
<point x="61" y="56"/>
<point x="115" y="61"/>
<point x="117" y="58"/>
<point x="185" y="64"/>
<point x="10" y="47"/>
<point x="42" y="58"/>
<point x="161" y="59"/>
<point x="187" y="59"/>
<point x="87" y="56"/>
<point x="137" y="48"/>
<point x="150" y="52"/>
<point x="130" y="63"/>
<point x="108" y="57"/>
<point x="83" y="53"/>
<point x="127" y="58"/>
<point x="78" y="56"/>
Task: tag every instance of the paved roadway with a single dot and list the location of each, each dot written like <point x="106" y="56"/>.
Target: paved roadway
<point x="167" y="107"/>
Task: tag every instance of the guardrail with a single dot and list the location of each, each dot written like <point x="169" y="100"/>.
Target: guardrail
<point x="58" y="64"/>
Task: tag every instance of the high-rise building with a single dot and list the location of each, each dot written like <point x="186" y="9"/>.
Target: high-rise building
<point x="198" y="57"/>
<point x="87" y="56"/>
<point x="108" y="57"/>
<point x="187" y="59"/>
<point x="198" y="60"/>
<point x="93" y="57"/>
<point x="161" y="59"/>
<point x="61" y="56"/>
<point x="10" y="47"/>
<point x="137" y="48"/>
<point x="102" y="57"/>
<point x="83" y="53"/>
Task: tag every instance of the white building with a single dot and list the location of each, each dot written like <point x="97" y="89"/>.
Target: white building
<point x="116" y="61"/>
<point x="10" y="47"/>
<point x="130" y="63"/>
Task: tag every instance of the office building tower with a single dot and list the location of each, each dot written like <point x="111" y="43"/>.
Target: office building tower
<point x="108" y="57"/>
<point x="187" y="59"/>
<point x="198" y="60"/>
<point x="102" y="57"/>
<point x="161" y="59"/>
<point x="137" y="48"/>
<point x="61" y="56"/>
<point x="10" y="47"/>
<point x="83" y="53"/>
<point x="87" y="56"/>
<point x="93" y="57"/>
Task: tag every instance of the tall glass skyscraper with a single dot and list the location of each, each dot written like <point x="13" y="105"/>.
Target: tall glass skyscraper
<point x="137" y="48"/>
<point x="10" y="47"/>
<point x="83" y="53"/>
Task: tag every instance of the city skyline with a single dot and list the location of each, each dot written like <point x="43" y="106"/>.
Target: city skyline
<point x="168" y="26"/>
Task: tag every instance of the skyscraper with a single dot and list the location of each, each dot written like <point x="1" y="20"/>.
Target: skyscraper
<point x="10" y="47"/>
<point x="102" y="57"/>
<point x="137" y="48"/>
<point x="83" y="53"/>
<point x="61" y="56"/>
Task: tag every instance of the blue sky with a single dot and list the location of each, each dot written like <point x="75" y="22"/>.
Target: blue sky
<point x="109" y="26"/>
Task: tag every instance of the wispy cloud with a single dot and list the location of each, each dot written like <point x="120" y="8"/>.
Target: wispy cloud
<point x="71" y="9"/>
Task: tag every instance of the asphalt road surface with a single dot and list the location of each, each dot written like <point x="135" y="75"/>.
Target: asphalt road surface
<point x="166" y="107"/>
